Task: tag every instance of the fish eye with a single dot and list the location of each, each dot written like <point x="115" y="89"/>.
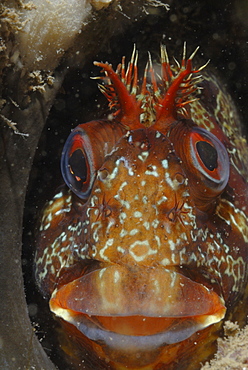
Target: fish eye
<point x="77" y="166"/>
<point x="209" y="157"/>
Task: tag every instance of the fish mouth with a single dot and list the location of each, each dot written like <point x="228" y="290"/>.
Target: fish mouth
<point x="139" y="308"/>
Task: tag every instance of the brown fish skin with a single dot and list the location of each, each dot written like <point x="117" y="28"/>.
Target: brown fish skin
<point x="147" y="252"/>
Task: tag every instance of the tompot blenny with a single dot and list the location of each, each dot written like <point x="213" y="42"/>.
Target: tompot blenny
<point x="143" y="252"/>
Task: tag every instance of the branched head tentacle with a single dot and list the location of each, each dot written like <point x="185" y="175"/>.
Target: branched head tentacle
<point x="155" y="102"/>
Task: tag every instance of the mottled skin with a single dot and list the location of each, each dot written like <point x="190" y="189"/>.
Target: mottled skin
<point x="148" y="250"/>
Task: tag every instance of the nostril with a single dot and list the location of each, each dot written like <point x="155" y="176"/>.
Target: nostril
<point x="103" y="174"/>
<point x="179" y="178"/>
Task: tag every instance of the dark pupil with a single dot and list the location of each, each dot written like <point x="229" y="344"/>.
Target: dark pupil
<point x="208" y="154"/>
<point x="78" y="166"/>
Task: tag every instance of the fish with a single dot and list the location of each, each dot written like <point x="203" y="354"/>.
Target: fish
<point x="143" y="253"/>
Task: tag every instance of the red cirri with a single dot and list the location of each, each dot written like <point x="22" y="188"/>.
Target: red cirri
<point x="144" y="252"/>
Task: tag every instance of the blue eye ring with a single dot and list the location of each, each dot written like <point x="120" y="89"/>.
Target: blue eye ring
<point x="77" y="163"/>
<point x="209" y="156"/>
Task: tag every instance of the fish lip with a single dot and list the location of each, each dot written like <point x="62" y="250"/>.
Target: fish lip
<point x="150" y="292"/>
<point x="134" y="343"/>
<point x="80" y="306"/>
